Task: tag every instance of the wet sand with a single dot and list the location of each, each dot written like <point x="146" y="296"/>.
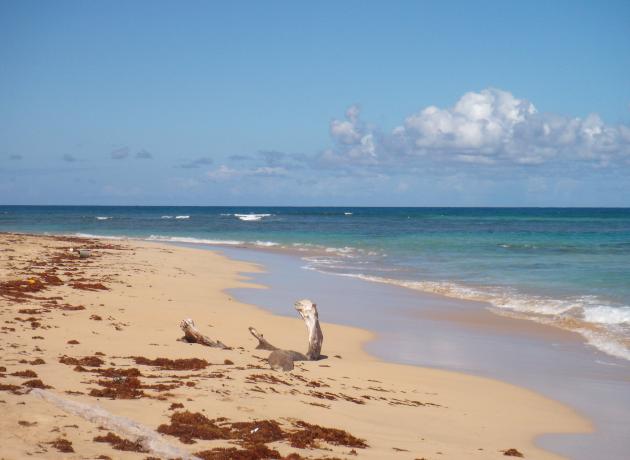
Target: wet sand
<point x="83" y="336"/>
<point x="425" y="329"/>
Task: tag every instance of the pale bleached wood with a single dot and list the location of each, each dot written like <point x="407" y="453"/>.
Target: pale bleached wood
<point x="308" y="312"/>
<point x="192" y="335"/>
<point x="284" y="359"/>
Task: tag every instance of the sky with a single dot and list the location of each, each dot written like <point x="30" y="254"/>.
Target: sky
<point x="349" y="103"/>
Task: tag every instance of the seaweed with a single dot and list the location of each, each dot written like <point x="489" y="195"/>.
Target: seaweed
<point x="62" y="445"/>
<point x="26" y="374"/>
<point x="188" y="426"/>
<point x="90" y="361"/>
<point x="173" y="364"/>
<point x="266" y="378"/>
<point x="255" y="452"/>
<point x="36" y="383"/>
<point x="119" y="388"/>
<point x="259" y="431"/>
<point x="309" y="434"/>
<point x="21" y="290"/>
<point x="119" y="443"/>
<point x="15" y="389"/>
<point x="89" y="286"/>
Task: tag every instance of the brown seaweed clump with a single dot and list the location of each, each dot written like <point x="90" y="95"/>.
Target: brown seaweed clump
<point x="26" y="374"/>
<point x="191" y="364"/>
<point x="113" y="372"/>
<point x="36" y="383"/>
<point x="512" y="453"/>
<point x="15" y="389"/>
<point x="119" y="388"/>
<point x="256" y="452"/>
<point x="90" y="361"/>
<point x="50" y="278"/>
<point x="258" y="431"/>
<point x="21" y="290"/>
<point x="89" y="286"/>
<point x="310" y="434"/>
<point x="62" y="445"/>
<point x="119" y="443"/>
<point x="188" y="426"/>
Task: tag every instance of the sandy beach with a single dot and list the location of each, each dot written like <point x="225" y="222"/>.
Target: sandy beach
<point x="102" y="332"/>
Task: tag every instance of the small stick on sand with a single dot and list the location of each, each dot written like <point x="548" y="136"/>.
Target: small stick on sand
<point x="284" y="359"/>
<point x="192" y="335"/>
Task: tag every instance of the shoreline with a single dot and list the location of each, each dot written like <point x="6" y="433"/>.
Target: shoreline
<point x="447" y="430"/>
<point x="592" y="334"/>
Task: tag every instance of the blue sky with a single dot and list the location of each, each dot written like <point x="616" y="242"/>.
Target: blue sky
<point x="322" y="103"/>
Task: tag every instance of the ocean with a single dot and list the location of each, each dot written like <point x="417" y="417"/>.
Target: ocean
<point x="569" y="267"/>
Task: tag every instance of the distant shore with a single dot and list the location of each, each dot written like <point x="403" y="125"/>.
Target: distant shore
<point x="88" y="330"/>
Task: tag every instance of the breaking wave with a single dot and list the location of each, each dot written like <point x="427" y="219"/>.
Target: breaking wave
<point x="605" y="327"/>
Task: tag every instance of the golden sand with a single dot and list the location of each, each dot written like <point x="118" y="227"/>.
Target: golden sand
<point x="135" y="294"/>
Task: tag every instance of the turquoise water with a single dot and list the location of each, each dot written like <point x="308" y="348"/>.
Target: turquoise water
<point x="570" y="267"/>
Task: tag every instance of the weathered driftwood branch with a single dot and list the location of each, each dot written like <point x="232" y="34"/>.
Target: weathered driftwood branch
<point x="284" y="359"/>
<point x="192" y="335"/>
<point x="262" y="342"/>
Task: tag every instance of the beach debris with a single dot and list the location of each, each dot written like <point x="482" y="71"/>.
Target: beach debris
<point x="122" y="426"/>
<point x="119" y="443"/>
<point x="284" y="359"/>
<point x="192" y="335"/>
<point x="192" y="426"/>
<point x="84" y="253"/>
<point x="512" y="453"/>
<point x="187" y="364"/>
<point x="62" y="445"/>
<point x="89" y="361"/>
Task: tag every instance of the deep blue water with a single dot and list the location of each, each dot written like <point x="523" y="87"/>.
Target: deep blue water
<point x="567" y="266"/>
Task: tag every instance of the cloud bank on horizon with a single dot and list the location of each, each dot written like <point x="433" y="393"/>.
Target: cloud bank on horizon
<point x="490" y="128"/>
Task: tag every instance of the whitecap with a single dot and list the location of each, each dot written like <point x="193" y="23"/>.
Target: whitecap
<point x="251" y="217"/>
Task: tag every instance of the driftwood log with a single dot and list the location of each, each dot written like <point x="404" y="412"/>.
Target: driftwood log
<point x="192" y="335"/>
<point x="284" y="359"/>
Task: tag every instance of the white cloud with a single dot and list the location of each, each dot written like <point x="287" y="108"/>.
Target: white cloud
<point x="224" y="172"/>
<point x="490" y="127"/>
<point x="355" y="141"/>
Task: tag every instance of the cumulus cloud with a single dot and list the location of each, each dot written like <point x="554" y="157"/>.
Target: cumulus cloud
<point x="120" y="154"/>
<point x="144" y="155"/>
<point x="355" y="141"/>
<point x="69" y="158"/>
<point x="484" y="128"/>
<point x="196" y="163"/>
